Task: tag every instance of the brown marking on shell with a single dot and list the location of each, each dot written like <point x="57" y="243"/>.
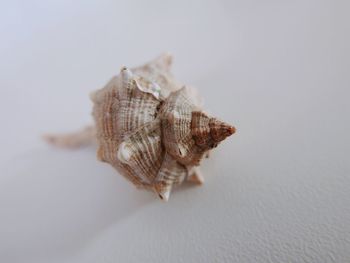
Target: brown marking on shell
<point x="208" y="132"/>
<point x="219" y="130"/>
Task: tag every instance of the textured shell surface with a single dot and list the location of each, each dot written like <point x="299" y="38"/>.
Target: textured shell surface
<point x="152" y="129"/>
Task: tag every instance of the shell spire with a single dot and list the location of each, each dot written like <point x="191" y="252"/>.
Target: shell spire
<point x="207" y="132"/>
<point x="220" y="130"/>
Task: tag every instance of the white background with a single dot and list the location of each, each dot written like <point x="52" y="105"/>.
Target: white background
<point x="277" y="191"/>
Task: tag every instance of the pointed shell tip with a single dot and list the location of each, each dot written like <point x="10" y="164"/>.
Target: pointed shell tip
<point x="165" y="196"/>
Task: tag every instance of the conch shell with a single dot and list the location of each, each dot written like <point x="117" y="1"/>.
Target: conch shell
<point x="150" y="128"/>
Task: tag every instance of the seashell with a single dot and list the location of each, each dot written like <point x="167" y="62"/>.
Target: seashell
<point x="150" y="128"/>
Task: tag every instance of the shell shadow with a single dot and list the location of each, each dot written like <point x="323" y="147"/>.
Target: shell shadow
<point x="55" y="202"/>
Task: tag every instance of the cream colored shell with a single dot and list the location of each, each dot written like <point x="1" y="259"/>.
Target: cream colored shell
<point x="151" y="129"/>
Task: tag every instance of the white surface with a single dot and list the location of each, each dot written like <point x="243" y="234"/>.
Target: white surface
<point x="277" y="191"/>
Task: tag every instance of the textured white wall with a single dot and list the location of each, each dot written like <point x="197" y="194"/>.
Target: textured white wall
<point x="277" y="191"/>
